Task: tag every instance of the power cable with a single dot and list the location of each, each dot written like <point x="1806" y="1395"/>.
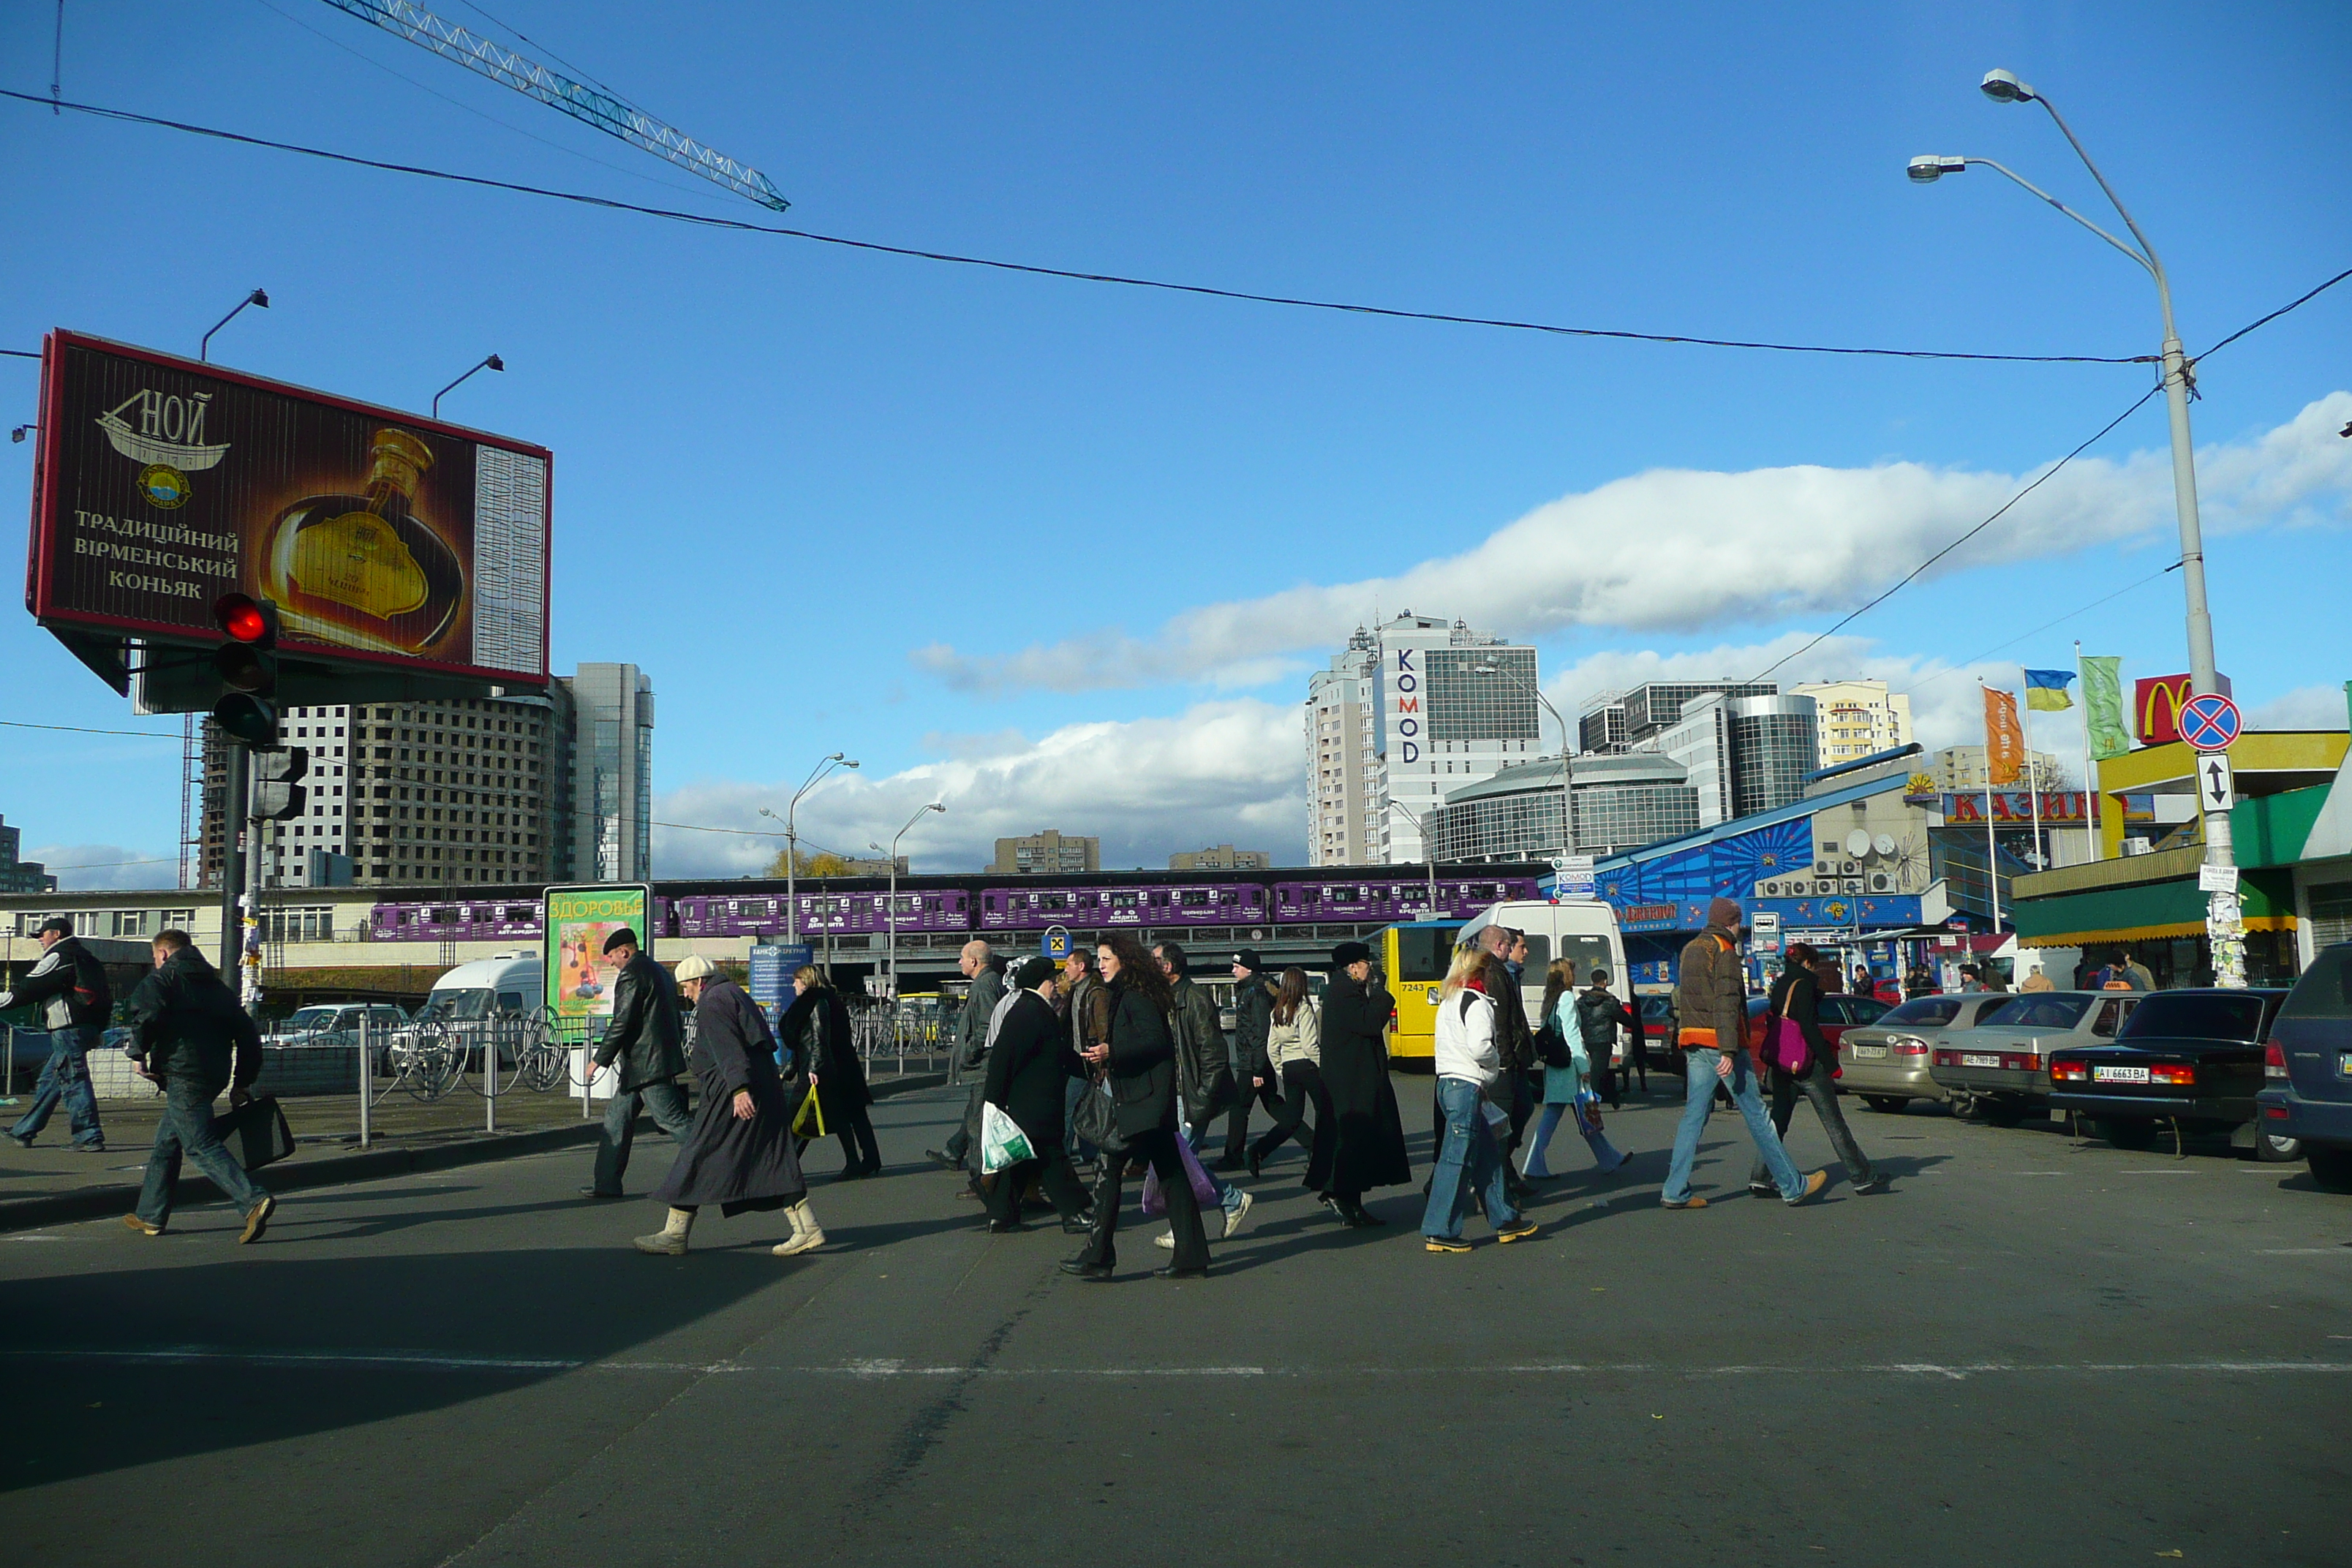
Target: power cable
<point x="78" y="729"/>
<point x="1913" y="575"/>
<point x="1923" y="684"/>
<point x="1123" y="281"/>
<point x="2274" y="315"/>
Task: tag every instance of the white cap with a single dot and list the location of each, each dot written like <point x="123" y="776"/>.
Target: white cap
<point x="696" y="968"/>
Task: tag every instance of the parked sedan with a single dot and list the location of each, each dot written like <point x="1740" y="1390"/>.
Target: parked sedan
<point x="2307" y="1069"/>
<point x="1887" y="1062"/>
<point x="2001" y="1066"/>
<point x="2190" y="1058"/>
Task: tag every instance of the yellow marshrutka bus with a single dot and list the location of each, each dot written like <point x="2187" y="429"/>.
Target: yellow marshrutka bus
<point x="1414" y="955"/>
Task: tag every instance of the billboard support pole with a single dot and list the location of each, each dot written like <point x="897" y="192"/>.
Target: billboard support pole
<point x="233" y="831"/>
<point x="249" y="990"/>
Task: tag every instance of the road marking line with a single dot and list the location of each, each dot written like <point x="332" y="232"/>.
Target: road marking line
<point x="2302" y="1252"/>
<point x="874" y="1368"/>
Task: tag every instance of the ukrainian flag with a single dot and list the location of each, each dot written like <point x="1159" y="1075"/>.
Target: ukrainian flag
<point x="2046" y="689"/>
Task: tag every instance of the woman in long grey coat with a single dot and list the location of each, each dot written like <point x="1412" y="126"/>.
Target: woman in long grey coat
<point x="738" y="1154"/>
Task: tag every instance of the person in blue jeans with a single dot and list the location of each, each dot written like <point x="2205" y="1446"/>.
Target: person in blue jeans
<point x="1469" y="1062"/>
<point x="1711" y="999"/>
<point x="68" y="984"/>
<point x="193" y="1040"/>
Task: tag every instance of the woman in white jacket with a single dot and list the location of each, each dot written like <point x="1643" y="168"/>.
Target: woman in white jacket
<point x="1293" y="1051"/>
<point x="1469" y="1075"/>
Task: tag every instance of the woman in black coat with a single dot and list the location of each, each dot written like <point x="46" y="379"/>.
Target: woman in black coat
<point x="1370" y="1151"/>
<point x="1140" y="1055"/>
<point x="1028" y="1068"/>
<point x="817" y="1030"/>
<point x="738" y="1153"/>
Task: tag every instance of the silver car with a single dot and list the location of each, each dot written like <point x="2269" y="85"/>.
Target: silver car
<point x="1888" y="1062"/>
<point x="2001" y="1066"/>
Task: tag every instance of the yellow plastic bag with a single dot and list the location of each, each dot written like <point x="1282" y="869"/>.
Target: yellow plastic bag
<point x="812" y="1112"/>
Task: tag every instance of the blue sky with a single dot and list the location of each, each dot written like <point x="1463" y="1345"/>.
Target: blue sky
<point x="1061" y="554"/>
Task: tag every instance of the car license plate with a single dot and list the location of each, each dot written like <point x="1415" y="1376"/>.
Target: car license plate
<point x="2118" y="1074"/>
<point x="1869" y="1053"/>
<point x="2344" y="1065"/>
<point x="1970" y="1060"/>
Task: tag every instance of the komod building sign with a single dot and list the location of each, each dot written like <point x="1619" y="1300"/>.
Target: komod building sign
<point x="1404" y="719"/>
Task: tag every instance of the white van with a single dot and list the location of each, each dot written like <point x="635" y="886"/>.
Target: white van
<point x="507" y="983"/>
<point x="1583" y="930"/>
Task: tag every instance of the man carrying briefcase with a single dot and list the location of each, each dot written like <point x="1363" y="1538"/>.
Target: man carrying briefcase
<point x="193" y="1039"/>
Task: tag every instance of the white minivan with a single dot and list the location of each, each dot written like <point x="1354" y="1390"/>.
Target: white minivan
<point x="465" y="1002"/>
<point x="1583" y="931"/>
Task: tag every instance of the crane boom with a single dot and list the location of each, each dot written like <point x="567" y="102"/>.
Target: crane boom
<point x="592" y="105"/>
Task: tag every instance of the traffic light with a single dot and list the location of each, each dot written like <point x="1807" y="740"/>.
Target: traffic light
<point x="278" y="772"/>
<point x="247" y="664"/>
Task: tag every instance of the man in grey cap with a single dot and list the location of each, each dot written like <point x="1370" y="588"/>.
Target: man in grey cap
<point x="69" y="987"/>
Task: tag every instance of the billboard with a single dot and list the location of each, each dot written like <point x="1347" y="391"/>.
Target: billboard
<point x="385" y="540"/>
<point x="578" y="977"/>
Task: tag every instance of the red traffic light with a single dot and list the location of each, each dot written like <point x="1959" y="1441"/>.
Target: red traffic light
<point x="241" y="618"/>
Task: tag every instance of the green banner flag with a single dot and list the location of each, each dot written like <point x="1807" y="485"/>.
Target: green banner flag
<point x="2103" y="707"/>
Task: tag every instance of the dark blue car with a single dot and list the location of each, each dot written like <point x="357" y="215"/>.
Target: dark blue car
<point x="2307" y="1069"/>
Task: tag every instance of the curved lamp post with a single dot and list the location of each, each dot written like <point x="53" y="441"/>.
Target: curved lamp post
<point x="891" y="855"/>
<point x="792" y="840"/>
<point x="489" y="361"/>
<point x="2222" y="922"/>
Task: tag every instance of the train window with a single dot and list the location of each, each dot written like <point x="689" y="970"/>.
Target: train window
<point x="1308" y="895"/>
<point x="1253" y="896"/>
<point x="1122" y="901"/>
<point x="443" y="917"/>
<point x="1053" y="900"/>
<point x="519" y="912"/>
<point x="1194" y="899"/>
<point x="1160" y="898"/>
<point x="932" y="905"/>
<point x="988" y="901"/>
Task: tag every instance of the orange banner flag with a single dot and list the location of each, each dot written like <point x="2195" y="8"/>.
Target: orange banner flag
<point x="2004" y="738"/>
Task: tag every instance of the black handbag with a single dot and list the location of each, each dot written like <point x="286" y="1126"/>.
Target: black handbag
<point x="1553" y="1047"/>
<point x="1096" y="1120"/>
<point x="256" y="1133"/>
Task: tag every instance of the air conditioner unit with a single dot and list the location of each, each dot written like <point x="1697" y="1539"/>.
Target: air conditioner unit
<point x="1822" y="869"/>
<point x="1882" y="881"/>
<point x="1849" y="868"/>
<point x="1853" y="885"/>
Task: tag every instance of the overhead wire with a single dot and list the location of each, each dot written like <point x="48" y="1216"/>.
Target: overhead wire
<point x="1922" y="684"/>
<point x="1073" y="274"/>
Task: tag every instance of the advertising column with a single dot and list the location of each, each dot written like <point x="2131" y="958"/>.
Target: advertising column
<point x="575" y="924"/>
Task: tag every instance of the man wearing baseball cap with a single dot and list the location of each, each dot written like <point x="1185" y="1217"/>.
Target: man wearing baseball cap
<point x="69" y="987"/>
<point x="1254" y="1078"/>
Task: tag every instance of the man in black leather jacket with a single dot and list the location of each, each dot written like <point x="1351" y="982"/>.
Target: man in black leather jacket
<point x="68" y="984"/>
<point x="644" y="1036"/>
<point x="193" y="1040"/>
<point x="1254" y="1074"/>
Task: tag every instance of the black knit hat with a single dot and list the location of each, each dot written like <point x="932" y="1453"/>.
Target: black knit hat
<point x="1248" y="958"/>
<point x="1348" y="953"/>
<point x="1034" y="971"/>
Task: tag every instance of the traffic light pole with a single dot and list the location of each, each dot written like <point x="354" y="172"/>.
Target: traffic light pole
<point x="249" y="985"/>
<point x="234" y="828"/>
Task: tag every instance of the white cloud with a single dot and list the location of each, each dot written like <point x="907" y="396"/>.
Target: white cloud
<point x="1228" y="771"/>
<point x="2305" y="708"/>
<point x="106" y="866"/>
<point x="1678" y="550"/>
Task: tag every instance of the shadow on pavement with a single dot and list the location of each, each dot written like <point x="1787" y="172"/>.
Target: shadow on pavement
<point x="97" y="1404"/>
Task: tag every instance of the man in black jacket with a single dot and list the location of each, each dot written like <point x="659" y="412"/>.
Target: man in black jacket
<point x="643" y="1036"/>
<point x="69" y="987"/>
<point x="1255" y="1079"/>
<point x="193" y="1040"/>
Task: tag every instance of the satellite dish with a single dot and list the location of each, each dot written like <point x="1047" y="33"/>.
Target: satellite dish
<point x="1857" y="844"/>
<point x="1883" y="844"/>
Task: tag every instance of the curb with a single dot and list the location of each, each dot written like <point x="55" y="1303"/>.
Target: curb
<point x="337" y="1169"/>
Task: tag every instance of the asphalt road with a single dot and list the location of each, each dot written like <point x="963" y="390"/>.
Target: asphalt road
<point x="2029" y="1352"/>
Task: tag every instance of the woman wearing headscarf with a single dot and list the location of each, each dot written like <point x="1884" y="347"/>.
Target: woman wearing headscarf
<point x="1027" y="1067"/>
<point x="1369" y="1151"/>
<point x="817" y="1030"/>
<point x="738" y="1153"/>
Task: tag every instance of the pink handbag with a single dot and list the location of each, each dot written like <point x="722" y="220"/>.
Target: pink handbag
<point x="1789" y="1051"/>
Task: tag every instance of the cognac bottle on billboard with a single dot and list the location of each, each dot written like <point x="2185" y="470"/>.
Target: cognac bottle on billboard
<point x="363" y="569"/>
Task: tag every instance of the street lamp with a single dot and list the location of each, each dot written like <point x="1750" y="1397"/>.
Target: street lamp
<point x="1428" y="848"/>
<point x="1567" y="799"/>
<point x="489" y="361"/>
<point x="2221" y="922"/>
<point x="891" y="909"/>
<point x="792" y="841"/>
<point x="257" y="299"/>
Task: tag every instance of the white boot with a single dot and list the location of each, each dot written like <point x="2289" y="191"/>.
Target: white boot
<point x="670" y="1240"/>
<point x="808" y="1234"/>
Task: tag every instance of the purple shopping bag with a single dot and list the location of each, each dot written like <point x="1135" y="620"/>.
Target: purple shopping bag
<point x="1204" y="1190"/>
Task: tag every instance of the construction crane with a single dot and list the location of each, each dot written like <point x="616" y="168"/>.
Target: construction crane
<point x="591" y="105"/>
